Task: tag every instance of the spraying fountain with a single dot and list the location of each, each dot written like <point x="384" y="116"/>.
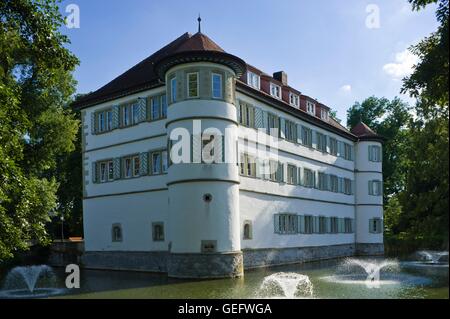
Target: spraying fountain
<point x="372" y="269"/>
<point x="286" y="284"/>
<point x="433" y="257"/>
<point x="35" y="281"/>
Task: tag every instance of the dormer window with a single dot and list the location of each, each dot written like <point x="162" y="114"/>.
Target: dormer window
<point x="275" y="90"/>
<point x="324" y="114"/>
<point x="253" y="80"/>
<point x="310" y="108"/>
<point x="294" y="100"/>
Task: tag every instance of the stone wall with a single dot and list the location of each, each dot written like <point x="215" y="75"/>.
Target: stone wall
<point x="369" y="249"/>
<point x="270" y="257"/>
<point x="211" y="265"/>
<point x="126" y="260"/>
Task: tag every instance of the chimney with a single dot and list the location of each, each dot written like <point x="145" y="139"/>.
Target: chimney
<point x="281" y="76"/>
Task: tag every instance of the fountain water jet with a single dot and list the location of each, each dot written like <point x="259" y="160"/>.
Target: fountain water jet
<point x="291" y="285"/>
<point x="373" y="268"/>
<point x="26" y="281"/>
<point x="432" y="257"/>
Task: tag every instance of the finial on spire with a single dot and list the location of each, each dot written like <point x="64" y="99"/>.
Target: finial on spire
<point x="199" y="19"/>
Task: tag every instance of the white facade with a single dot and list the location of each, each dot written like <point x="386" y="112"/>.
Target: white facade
<point x="206" y="206"/>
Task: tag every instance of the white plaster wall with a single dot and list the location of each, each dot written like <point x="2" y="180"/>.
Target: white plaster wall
<point x="124" y="185"/>
<point x="135" y="213"/>
<point x="260" y="209"/>
<point x="363" y="215"/>
<point x="197" y="107"/>
<point x="120" y="135"/>
<point x="192" y="220"/>
<point x="362" y="157"/>
<point x="362" y="188"/>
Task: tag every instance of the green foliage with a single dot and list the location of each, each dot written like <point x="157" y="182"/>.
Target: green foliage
<point x="389" y="119"/>
<point x="36" y="84"/>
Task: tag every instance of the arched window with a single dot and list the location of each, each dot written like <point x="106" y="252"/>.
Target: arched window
<point x="247" y="229"/>
<point x="158" y="231"/>
<point x="116" y="232"/>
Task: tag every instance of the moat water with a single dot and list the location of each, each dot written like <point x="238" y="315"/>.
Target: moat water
<point x="343" y="278"/>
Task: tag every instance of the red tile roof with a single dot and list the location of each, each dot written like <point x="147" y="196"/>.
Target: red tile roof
<point x="362" y="131"/>
<point x="143" y="75"/>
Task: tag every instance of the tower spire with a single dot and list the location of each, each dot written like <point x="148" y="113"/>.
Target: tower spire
<point x="199" y="19"/>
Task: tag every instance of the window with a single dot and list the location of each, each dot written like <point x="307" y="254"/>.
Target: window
<point x="322" y="225"/>
<point x="246" y="114"/>
<point x="274" y="171"/>
<point x="135" y="112"/>
<point x="310" y="108"/>
<point x="158" y="231"/>
<point x="333" y="146"/>
<point x="106" y="171"/>
<point x="136" y="166"/>
<point x="155" y="107"/>
<point x="128" y="167"/>
<point x="290" y="131"/>
<point x="248" y="165"/>
<point x="306" y="136"/>
<point x="294" y="100"/>
<point x="334" y="225"/>
<point x="192" y="85"/>
<point x="216" y="85"/>
<point x="163" y="106"/>
<point x="165" y="161"/>
<point x="173" y="89"/>
<point x="334" y="183"/>
<point x="348" y="222"/>
<point x="253" y="80"/>
<point x="103" y="172"/>
<point x="116" y="232"/>
<point x="275" y="90"/>
<point x="324" y="114"/>
<point x="156" y="163"/>
<point x="375" y="188"/>
<point x="104" y="120"/>
<point x="248" y="230"/>
<point x="321" y="142"/>
<point x="274" y="123"/>
<point x="126" y="115"/>
<point x="286" y="223"/>
<point x="323" y="181"/>
<point x="374" y="153"/>
<point x="348" y="152"/>
<point x="375" y="225"/>
<point x="308" y="178"/>
<point x="291" y="174"/>
<point x="347" y="186"/>
<point x="309" y="224"/>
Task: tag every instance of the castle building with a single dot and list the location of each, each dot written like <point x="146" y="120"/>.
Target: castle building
<point x="268" y="177"/>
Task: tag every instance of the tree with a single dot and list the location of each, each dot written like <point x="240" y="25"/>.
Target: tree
<point x="36" y="84"/>
<point x="389" y="119"/>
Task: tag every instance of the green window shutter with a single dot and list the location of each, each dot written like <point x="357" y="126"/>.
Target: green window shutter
<point x="301" y="224"/>
<point x="316" y="224"/>
<point x="115" y="116"/>
<point x="282" y="127"/>
<point x="259" y="122"/>
<point x="142" y="102"/>
<point x="265" y="123"/>
<point x="295" y="176"/>
<point x="143" y="158"/>
<point x="238" y="111"/>
<point x="93" y="123"/>
<point x="117" y="167"/>
<point x="340" y="185"/>
<point x="299" y="133"/>
<point x="370" y="153"/>
<point x="94" y="172"/>
<point x="314" y="182"/>
<point x="299" y="176"/>
<point x="283" y="175"/>
<point x="258" y="168"/>
<point x="315" y="142"/>
<point x="370" y="225"/>
<point x="340" y="150"/>
<point x="370" y="188"/>
<point x="276" y="223"/>
<point x="328" y="224"/>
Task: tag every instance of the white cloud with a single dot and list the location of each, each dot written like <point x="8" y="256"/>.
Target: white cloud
<point x="403" y="65"/>
<point x="347" y="88"/>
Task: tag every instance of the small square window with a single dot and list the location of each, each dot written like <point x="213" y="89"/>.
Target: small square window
<point x="158" y="231"/>
<point x="275" y="90"/>
<point x="116" y="233"/>
<point x="311" y="108"/>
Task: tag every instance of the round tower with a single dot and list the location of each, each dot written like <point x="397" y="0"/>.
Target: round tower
<point x="203" y="177"/>
<point x="369" y="191"/>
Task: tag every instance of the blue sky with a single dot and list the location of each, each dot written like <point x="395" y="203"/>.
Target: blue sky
<point x="324" y="46"/>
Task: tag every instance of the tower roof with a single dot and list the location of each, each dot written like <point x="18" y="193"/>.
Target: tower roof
<point x="364" y="132"/>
